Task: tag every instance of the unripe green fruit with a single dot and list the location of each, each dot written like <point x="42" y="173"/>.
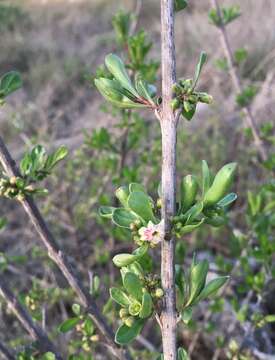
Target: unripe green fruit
<point x="129" y="321"/>
<point x="123" y="313"/>
<point x="221" y="184"/>
<point x="189" y="190"/>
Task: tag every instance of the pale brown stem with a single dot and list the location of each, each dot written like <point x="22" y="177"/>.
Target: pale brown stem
<point x="169" y="139"/>
<point x="249" y="117"/>
<point x="62" y="261"/>
<point x="35" y="331"/>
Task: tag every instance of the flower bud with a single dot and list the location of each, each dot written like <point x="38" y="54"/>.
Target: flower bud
<point x="94" y="338"/>
<point x="205" y="98"/>
<point x="159" y="293"/>
<point x="20" y="197"/>
<point x="13" y="180"/>
<point x="159" y="203"/>
<point x="123" y="313"/>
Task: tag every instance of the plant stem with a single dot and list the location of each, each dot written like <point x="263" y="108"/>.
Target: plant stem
<point x="61" y="260"/>
<point x="249" y="117"/>
<point x="35" y="331"/>
<point x="169" y="139"/>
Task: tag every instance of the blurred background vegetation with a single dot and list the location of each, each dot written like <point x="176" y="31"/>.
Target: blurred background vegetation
<point x="57" y="46"/>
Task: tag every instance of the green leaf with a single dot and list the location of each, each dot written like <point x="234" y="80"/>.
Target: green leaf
<point x="133" y="187"/>
<point x="193" y="212"/>
<point x="202" y="61"/>
<point x="197" y="280"/>
<point x="119" y="296"/>
<point x="227" y="200"/>
<point x="140" y="203"/>
<point x="125" y="334"/>
<point x="212" y="287"/>
<point x="117" y="68"/>
<point x="143" y="90"/>
<point x="186" y="315"/>
<point x="180" y="5"/>
<point x="56" y="157"/>
<point x="76" y="309"/>
<point x="206" y="177"/>
<point x="68" y="324"/>
<point x="269" y="318"/>
<point x="106" y="211"/>
<point x="132" y="284"/>
<point x="9" y="83"/>
<point x="182" y="354"/>
<point x="121" y="260"/>
<point x="189" y="228"/>
<point x="123" y="218"/>
<point x="147" y="305"/>
<point x="48" y="356"/>
<point x="188" y="115"/>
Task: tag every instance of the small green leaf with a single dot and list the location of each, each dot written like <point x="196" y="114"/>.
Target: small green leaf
<point x="186" y="315"/>
<point x="117" y="68"/>
<point x="147" y="305"/>
<point x="193" y="212"/>
<point x="9" y="83"/>
<point x="206" y="177"/>
<point x="227" y="200"/>
<point x="122" y="194"/>
<point x="76" y="309"/>
<point x="123" y="218"/>
<point x="269" y="318"/>
<point x="182" y="354"/>
<point x="189" y="228"/>
<point x="180" y="5"/>
<point x="68" y="324"/>
<point x="202" y="61"/>
<point x="125" y="334"/>
<point x="106" y="211"/>
<point x="197" y="280"/>
<point x="119" y="296"/>
<point x="140" y="203"/>
<point x="121" y="260"/>
<point x="212" y="287"/>
<point x="133" y="285"/>
<point x="188" y="115"/>
<point x="55" y="158"/>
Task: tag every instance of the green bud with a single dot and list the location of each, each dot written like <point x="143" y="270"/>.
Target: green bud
<point x="205" y="98"/>
<point x="129" y="321"/>
<point x="134" y="308"/>
<point x="186" y="84"/>
<point x="159" y="293"/>
<point x="133" y="226"/>
<point x="221" y="184"/>
<point x="189" y="190"/>
<point x="193" y="99"/>
<point x="122" y="194"/>
<point x="94" y="338"/>
<point x="177" y="90"/>
<point x="159" y="203"/>
<point x="123" y="313"/>
<point x="13" y="180"/>
<point x="175" y="104"/>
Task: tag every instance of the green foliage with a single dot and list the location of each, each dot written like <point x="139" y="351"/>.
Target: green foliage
<point x="185" y="98"/>
<point x="245" y="98"/>
<point x="9" y="83"/>
<point x="226" y="16"/>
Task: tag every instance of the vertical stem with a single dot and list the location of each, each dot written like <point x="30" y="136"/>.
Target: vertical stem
<point x="249" y="117"/>
<point x="169" y="137"/>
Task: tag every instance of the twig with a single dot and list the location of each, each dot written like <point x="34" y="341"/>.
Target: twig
<point x="62" y="261"/>
<point x="169" y="139"/>
<point x="35" y="331"/>
<point x="6" y="352"/>
<point x="249" y="117"/>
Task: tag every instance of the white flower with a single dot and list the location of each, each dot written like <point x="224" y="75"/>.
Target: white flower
<point x="153" y="233"/>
